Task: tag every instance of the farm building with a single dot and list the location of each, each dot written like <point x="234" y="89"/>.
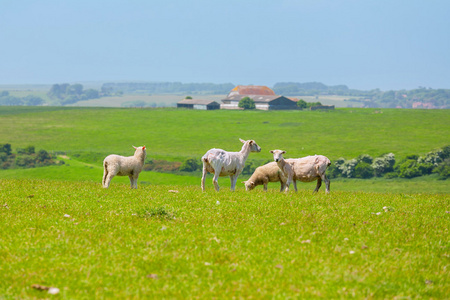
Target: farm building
<point x="198" y="104"/>
<point x="264" y="98"/>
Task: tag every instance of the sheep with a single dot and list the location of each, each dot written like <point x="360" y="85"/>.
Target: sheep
<point x="304" y="169"/>
<point x="223" y="163"/>
<point x="264" y="174"/>
<point x="129" y="166"/>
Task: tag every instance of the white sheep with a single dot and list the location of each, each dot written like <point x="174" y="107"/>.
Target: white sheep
<point x="304" y="169"/>
<point x="223" y="163"/>
<point x="264" y="174"/>
<point x="129" y="166"/>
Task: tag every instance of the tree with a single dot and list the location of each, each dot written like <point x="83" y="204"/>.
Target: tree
<point x="247" y="103"/>
<point x="302" y="104"/>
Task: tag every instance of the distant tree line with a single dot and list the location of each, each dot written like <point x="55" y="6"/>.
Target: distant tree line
<point x="24" y="157"/>
<point x="30" y="100"/>
<point x="71" y="93"/>
<point x="416" y="98"/>
<point x="165" y="88"/>
<point x="308" y="89"/>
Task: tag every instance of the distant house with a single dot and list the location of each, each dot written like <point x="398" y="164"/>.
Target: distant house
<point x="264" y="98"/>
<point x="198" y="104"/>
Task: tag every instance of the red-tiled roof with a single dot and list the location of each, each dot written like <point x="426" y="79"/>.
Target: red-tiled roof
<point x="251" y="90"/>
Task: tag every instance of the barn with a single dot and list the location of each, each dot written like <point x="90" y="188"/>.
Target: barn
<point x="264" y="98"/>
<point x="198" y="104"/>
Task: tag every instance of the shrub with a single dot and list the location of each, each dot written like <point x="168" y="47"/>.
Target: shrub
<point x="190" y="165"/>
<point x="333" y="171"/>
<point x="247" y="103"/>
<point x="249" y="168"/>
<point x="383" y="164"/>
<point x="408" y="169"/>
<point x="25" y="161"/>
<point x="443" y="169"/>
<point x="363" y="170"/>
<point x="42" y="156"/>
<point x="365" y="158"/>
<point x="6" y="148"/>
<point x="346" y="167"/>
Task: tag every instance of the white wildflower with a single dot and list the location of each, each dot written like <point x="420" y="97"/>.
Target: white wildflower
<point x="53" y="290"/>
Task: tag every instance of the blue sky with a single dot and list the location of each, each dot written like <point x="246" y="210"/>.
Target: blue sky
<point x="364" y="44"/>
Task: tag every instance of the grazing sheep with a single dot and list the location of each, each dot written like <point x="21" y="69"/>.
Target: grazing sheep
<point x="304" y="169"/>
<point x="264" y="174"/>
<point x="223" y="163"/>
<point x="129" y="166"/>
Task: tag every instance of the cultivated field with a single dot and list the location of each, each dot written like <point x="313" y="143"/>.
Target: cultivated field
<point x="367" y="239"/>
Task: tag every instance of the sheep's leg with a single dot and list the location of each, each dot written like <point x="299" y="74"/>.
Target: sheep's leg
<point x="105" y="173"/>
<point x="133" y="181"/>
<point x="288" y="183"/>
<point x="295" y="185"/>
<point x="283" y="186"/>
<point x="319" y="184"/>
<point x="216" y="179"/>
<point x="265" y="186"/>
<point x="108" y="178"/>
<point x="204" y="178"/>
<point x="327" y="183"/>
<point x="233" y="179"/>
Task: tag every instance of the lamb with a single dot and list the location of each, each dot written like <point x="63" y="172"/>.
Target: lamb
<point x="223" y="163"/>
<point x="264" y="174"/>
<point x="304" y="169"/>
<point x="129" y="166"/>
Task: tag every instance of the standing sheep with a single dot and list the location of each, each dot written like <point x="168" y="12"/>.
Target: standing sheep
<point x="223" y="163"/>
<point x="129" y="166"/>
<point x="264" y="174"/>
<point x="304" y="169"/>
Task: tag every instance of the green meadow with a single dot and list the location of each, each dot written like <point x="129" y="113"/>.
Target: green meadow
<point x="369" y="239"/>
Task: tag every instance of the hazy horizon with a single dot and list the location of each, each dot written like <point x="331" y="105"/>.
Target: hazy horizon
<point x="390" y="45"/>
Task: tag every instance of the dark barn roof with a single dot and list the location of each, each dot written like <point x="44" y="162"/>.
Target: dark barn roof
<point x="192" y="103"/>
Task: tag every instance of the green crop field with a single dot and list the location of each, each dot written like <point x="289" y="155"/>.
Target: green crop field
<point x="371" y="239"/>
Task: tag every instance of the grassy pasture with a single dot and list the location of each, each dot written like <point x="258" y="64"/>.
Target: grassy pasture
<point x="167" y="241"/>
<point x="172" y="133"/>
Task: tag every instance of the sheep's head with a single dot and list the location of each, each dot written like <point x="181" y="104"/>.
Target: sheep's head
<point x="277" y="155"/>
<point x="249" y="185"/>
<point x="252" y="144"/>
<point x="140" y="152"/>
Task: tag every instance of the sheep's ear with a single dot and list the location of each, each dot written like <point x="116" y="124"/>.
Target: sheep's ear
<point x="243" y="182"/>
<point x="271" y="151"/>
<point x="143" y="147"/>
<point x="134" y="147"/>
<point x="242" y="140"/>
<point x="283" y="152"/>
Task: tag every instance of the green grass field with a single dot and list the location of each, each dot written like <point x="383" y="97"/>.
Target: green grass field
<point x="167" y="239"/>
